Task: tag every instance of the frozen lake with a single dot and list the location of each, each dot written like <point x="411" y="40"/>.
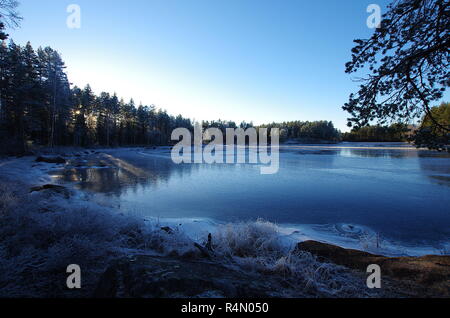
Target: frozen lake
<point x="393" y="191"/>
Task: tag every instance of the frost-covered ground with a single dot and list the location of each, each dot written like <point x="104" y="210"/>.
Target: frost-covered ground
<point x="42" y="232"/>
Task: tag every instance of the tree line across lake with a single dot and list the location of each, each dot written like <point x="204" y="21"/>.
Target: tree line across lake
<point x="39" y="107"/>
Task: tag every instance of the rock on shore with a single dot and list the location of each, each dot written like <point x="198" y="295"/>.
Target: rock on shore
<point x="424" y="276"/>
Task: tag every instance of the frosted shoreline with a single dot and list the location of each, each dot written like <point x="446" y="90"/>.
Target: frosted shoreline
<point x="292" y="234"/>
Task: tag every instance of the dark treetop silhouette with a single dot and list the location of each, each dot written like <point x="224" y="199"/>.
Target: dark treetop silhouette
<point x="408" y="63"/>
<point x="8" y="16"/>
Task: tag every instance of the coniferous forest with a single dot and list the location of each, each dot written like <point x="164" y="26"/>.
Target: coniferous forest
<point x="39" y="107"/>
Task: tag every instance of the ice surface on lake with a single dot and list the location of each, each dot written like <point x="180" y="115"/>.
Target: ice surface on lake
<point x="389" y="198"/>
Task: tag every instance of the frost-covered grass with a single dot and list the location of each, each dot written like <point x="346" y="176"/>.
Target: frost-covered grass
<point x="257" y="246"/>
<point x="42" y="233"/>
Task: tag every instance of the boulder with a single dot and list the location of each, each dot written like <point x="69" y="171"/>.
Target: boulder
<point x="58" y="159"/>
<point x="53" y="188"/>
<point x="167" y="229"/>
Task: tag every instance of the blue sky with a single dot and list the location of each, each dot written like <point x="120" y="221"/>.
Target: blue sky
<point x="253" y="60"/>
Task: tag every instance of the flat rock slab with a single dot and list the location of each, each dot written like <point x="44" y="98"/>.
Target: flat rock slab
<point x="427" y="275"/>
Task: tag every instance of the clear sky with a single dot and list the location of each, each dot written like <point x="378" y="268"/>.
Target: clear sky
<point x="253" y="60"/>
